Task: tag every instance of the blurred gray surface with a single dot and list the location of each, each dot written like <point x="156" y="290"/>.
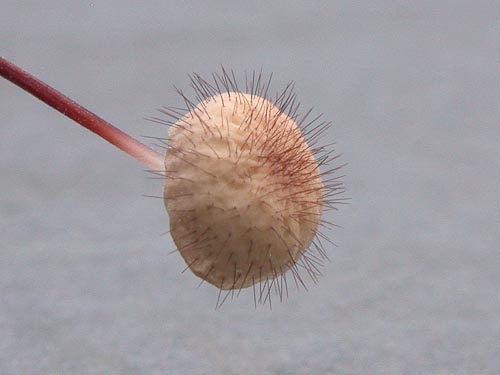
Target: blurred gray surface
<point x="413" y="89"/>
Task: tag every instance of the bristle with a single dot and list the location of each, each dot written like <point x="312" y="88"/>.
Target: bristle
<point x="248" y="134"/>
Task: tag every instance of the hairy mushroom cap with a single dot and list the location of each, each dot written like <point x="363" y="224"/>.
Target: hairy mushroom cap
<point x="243" y="190"/>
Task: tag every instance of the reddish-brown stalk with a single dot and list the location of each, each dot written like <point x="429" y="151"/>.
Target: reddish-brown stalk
<point x="81" y="115"/>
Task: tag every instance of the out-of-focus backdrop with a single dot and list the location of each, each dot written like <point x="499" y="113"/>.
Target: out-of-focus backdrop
<point x="413" y="90"/>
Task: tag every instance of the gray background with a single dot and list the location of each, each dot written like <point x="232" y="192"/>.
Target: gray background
<point x="413" y="90"/>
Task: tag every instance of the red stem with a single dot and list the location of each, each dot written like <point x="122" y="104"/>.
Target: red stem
<point x="81" y="115"/>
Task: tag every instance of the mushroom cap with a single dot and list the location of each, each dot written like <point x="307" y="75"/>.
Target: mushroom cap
<point x="243" y="190"/>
